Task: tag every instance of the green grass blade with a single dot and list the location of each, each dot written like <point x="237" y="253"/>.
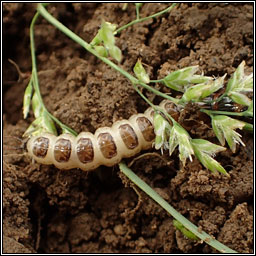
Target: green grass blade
<point x="185" y="222"/>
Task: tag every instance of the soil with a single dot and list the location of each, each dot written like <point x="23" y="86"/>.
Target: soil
<point x="46" y="210"/>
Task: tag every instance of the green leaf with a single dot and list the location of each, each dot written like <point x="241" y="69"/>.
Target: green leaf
<point x="207" y="147"/>
<point x="248" y="83"/>
<point x="200" y="91"/>
<point x="239" y="82"/>
<point x="34" y="129"/>
<point x="173" y="141"/>
<point x="101" y="50"/>
<point x="224" y="128"/>
<point x="106" y="34"/>
<point x="204" y="151"/>
<point x="96" y="40"/>
<point x="48" y="124"/>
<point x="37" y="106"/>
<point x="199" y="79"/>
<point x="41" y="124"/>
<point x="140" y="72"/>
<point x="236" y="77"/>
<point x="240" y="98"/>
<point x="27" y="98"/>
<point x="106" y="37"/>
<point x="162" y="128"/>
<point x="184" y="231"/>
<point x="179" y="136"/>
<point x="116" y="53"/>
<point x="180" y="79"/>
<point x="248" y="127"/>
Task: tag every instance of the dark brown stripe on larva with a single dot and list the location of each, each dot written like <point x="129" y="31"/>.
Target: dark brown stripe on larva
<point x="107" y="145"/>
<point x="146" y="128"/>
<point x="84" y="150"/>
<point x="40" y="147"/>
<point x="128" y="136"/>
<point x="62" y="150"/>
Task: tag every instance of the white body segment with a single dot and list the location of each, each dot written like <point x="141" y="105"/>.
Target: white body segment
<point x="106" y="147"/>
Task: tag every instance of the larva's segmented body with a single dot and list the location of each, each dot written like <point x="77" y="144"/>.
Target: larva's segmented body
<point x="106" y="147"/>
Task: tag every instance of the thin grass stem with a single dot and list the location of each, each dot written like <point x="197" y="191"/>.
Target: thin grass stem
<point x="90" y="49"/>
<point x="35" y="77"/>
<point x="210" y="112"/>
<point x="145" y="18"/>
<point x="164" y="204"/>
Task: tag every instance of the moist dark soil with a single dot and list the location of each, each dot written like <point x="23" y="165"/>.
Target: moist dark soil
<point x="46" y="210"/>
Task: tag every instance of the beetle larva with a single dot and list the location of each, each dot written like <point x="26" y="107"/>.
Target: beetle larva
<point x="106" y="147"/>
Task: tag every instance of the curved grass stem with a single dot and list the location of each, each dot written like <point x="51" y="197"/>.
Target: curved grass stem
<point x="164" y="204"/>
<point x="35" y="77"/>
<point x="33" y="57"/>
<point x="145" y="18"/>
<point x="155" y="91"/>
<point x="137" y="11"/>
<point x="90" y="49"/>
